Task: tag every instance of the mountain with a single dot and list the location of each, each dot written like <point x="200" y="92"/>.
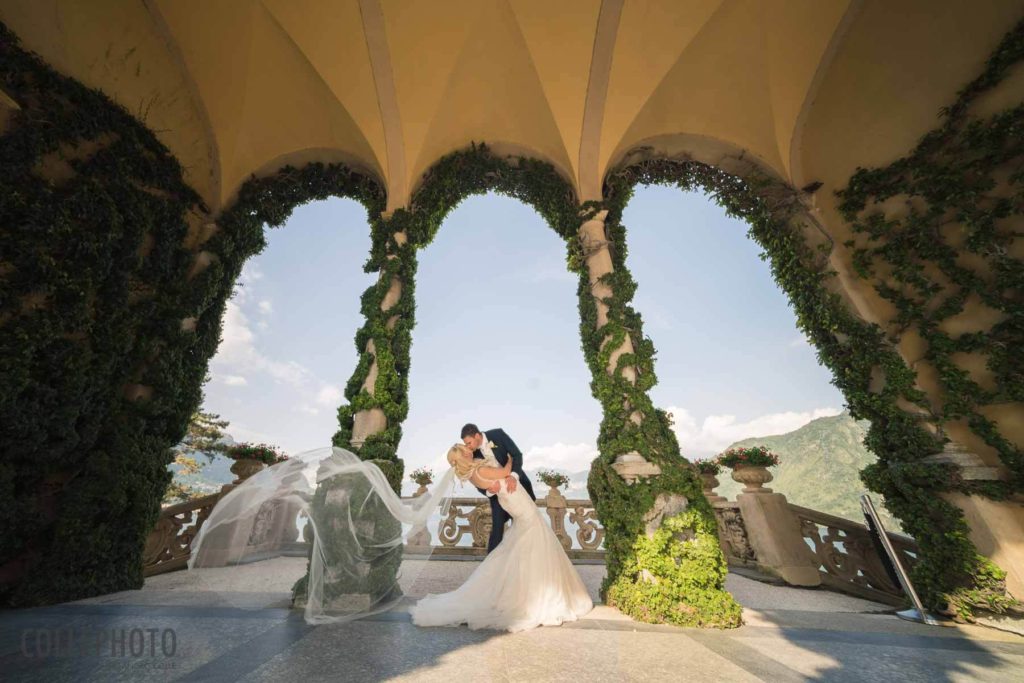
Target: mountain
<point x="211" y="477"/>
<point x="213" y="473"/>
<point x="820" y="465"/>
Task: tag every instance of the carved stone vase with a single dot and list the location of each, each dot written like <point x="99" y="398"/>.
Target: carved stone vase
<point x="243" y="468"/>
<point x="753" y="478"/>
<point x="420" y="491"/>
<point x="555" y="497"/>
<point x="556" y="505"/>
<point x="710" y="483"/>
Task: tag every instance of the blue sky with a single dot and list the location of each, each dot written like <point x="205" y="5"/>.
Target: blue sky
<point x="497" y="340"/>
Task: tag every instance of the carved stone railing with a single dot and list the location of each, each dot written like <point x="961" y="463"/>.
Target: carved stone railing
<point x="840" y="550"/>
<point x="169" y="544"/>
<point x="732" y="534"/>
<point x="848" y="559"/>
<point x="275" y="530"/>
<point x="471" y="518"/>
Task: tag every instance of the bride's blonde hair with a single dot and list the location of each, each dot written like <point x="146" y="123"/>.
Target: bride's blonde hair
<point x="463" y="470"/>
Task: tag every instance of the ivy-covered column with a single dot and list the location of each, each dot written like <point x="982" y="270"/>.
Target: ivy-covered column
<point x="664" y="560"/>
<point x="378" y="391"/>
<point x="101" y="346"/>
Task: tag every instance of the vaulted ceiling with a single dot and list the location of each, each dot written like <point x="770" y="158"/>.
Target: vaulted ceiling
<point x="810" y="88"/>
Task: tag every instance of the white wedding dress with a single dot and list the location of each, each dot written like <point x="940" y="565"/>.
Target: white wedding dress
<point x="527" y="581"/>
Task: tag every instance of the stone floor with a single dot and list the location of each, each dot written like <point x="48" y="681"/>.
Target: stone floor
<point x="233" y="624"/>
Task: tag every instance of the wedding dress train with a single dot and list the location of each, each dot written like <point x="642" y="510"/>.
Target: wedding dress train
<point x="527" y="581"/>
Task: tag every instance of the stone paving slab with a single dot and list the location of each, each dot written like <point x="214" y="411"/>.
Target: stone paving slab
<point x="268" y="583"/>
<point x="228" y="635"/>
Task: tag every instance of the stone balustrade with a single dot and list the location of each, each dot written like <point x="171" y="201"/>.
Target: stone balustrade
<point x="470" y="518"/>
<point x="760" y="530"/>
<point x="169" y="544"/>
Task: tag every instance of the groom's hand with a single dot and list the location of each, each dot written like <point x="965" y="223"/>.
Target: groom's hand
<point x="510" y="483"/>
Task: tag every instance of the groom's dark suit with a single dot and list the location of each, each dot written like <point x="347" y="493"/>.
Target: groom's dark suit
<point x="504" y="448"/>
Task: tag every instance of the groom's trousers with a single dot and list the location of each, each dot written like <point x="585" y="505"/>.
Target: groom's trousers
<point x="499" y="518"/>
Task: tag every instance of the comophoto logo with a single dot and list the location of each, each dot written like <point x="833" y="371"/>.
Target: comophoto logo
<point x="71" y="642"/>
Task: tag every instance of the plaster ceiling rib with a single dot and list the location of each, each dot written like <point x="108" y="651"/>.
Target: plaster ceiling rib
<point x="597" y="94"/>
<point x="174" y="50"/>
<point x="532" y="60"/>
<point x="796" y="170"/>
<point x="387" y="98"/>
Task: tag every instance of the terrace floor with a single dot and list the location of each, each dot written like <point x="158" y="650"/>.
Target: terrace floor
<point x="234" y="624"/>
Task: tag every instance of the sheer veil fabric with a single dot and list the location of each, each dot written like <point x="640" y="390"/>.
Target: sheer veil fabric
<point x="359" y="527"/>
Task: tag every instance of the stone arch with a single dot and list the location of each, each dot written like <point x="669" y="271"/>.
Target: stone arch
<point x="108" y="335"/>
<point x="841" y="317"/>
<point x="636" y="441"/>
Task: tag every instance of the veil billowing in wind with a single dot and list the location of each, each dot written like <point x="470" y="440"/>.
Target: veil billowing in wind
<point x="358" y="523"/>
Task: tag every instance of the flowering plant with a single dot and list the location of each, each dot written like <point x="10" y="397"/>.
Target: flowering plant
<point x="707" y="466"/>
<point x="553" y="479"/>
<point x="422" y="476"/>
<point x="756" y="456"/>
<point x="265" y="453"/>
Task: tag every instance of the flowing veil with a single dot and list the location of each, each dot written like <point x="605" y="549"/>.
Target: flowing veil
<point x="358" y="528"/>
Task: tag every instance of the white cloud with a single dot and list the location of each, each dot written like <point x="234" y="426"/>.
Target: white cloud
<point x="238" y="351"/>
<point x="306" y="408"/>
<point x="329" y="395"/>
<point x="250" y="274"/>
<point x="568" y="457"/>
<point x="266" y="307"/>
<point x="234" y="380"/>
<point x="798" y="342"/>
<point x="719" y="431"/>
<point x="241" y="433"/>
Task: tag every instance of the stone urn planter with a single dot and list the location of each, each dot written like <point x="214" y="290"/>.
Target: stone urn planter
<point x="753" y="478"/>
<point x="555" y="498"/>
<point x="423" y="478"/>
<point x="243" y="468"/>
<point x="711" y="482"/>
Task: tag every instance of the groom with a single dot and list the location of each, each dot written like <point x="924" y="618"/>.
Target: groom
<point x="496" y="447"/>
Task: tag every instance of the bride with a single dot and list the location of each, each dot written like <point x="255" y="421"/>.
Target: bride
<point x="526" y="581"/>
<point x="359" y="525"/>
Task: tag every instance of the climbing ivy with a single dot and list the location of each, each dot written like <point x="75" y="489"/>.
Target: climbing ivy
<point x="866" y="367"/>
<point x="964" y="186"/>
<point x="935" y="232"/>
<point x="637" y="564"/>
<point x="92" y="296"/>
<point x="107" y="252"/>
<point x="113" y="284"/>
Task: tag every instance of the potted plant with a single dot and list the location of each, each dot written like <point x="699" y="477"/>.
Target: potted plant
<point x="424" y="477"/>
<point x="709" y="470"/>
<point x="555" y="480"/>
<point x="251" y="458"/>
<point x="750" y="466"/>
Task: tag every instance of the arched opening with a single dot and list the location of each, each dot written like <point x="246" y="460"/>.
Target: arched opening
<point x="732" y="363"/>
<point x="285" y="350"/>
<point x="496" y="342"/>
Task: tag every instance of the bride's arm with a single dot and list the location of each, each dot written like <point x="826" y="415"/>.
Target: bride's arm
<point x="494" y="473"/>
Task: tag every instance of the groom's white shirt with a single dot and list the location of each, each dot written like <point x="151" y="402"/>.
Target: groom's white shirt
<point x="489" y="458"/>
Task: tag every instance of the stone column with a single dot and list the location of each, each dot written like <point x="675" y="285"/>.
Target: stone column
<point x="997" y="527"/>
<point x="373" y="421"/>
<point x="775" y="538"/>
<point x="594" y="241"/>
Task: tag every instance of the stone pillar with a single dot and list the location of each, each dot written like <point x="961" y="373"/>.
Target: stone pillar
<point x="556" y="505"/>
<point x="775" y="538"/>
<point x="997" y="526"/>
<point x="373" y="421"/>
<point x="594" y="241"/>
